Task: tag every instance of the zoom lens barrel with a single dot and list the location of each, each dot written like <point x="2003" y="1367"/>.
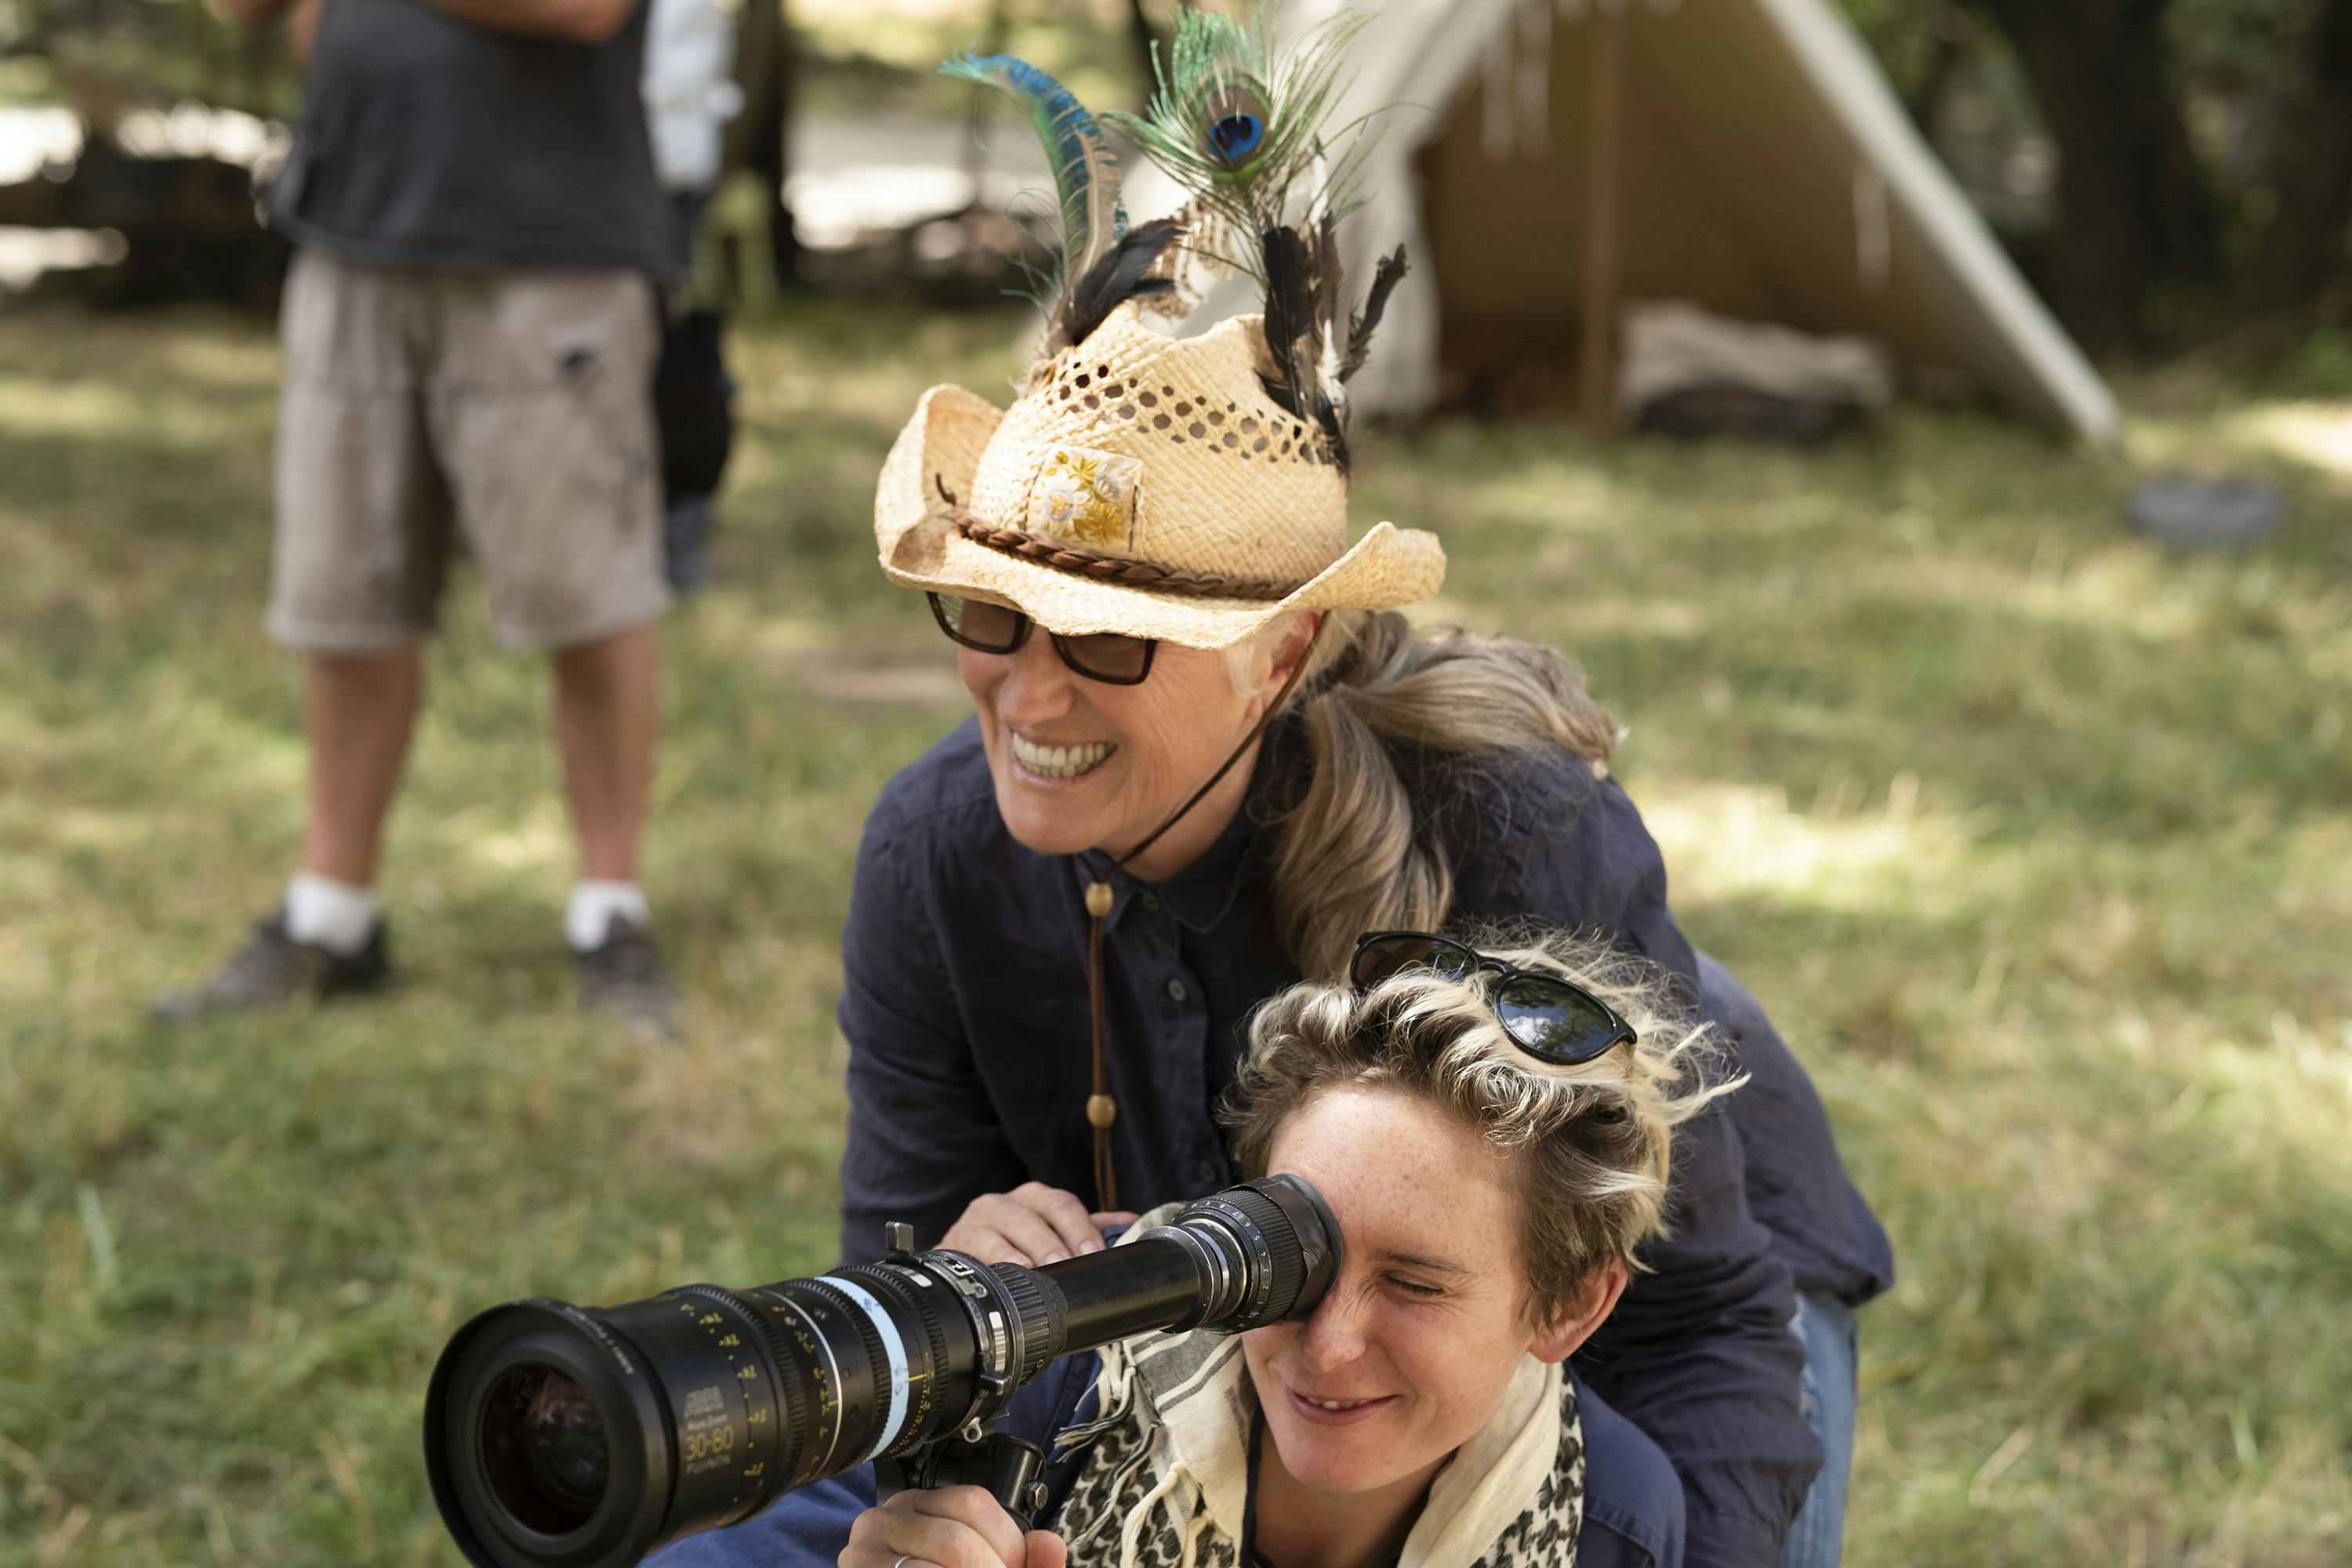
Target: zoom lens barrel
<point x="559" y="1436"/>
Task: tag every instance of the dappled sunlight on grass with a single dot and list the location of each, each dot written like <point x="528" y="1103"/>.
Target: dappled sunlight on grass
<point x="241" y="357"/>
<point x="2315" y="890"/>
<point x="541" y="844"/>
<point x="734" y="624"/>
<point x="2035" y="839"/>
<point x="1734" y="840"/>
<point x="2319" y="434"/>
<point x="33" y="409"/>
<point x="2193" y="423"/>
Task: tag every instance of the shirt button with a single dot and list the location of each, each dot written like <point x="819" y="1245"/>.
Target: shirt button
<point x="1176" y="989"/>
<point x="1151" y="902"/>
<point x="1206" y="1170"/>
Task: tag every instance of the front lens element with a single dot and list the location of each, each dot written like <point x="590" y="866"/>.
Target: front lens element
<point x="544" y="1449"/>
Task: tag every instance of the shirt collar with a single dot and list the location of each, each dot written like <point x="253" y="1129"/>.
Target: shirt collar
<point x="1202" y="894"/>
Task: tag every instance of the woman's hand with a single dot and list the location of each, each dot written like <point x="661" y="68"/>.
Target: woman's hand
<point x="1032" y="1225"/>
<point x="954" y="1527"/>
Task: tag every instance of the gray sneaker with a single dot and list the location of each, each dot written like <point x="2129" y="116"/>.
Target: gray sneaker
<point x="625" y="976"/>
<point x="274" y="969"/>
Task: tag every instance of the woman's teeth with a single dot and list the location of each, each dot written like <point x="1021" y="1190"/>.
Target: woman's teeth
<point x="1060" y="762"/>
<point x="1334" y="1404"/>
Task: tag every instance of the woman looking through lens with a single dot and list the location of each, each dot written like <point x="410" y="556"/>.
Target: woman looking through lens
<point x="1207" y="755"/>
<point x="1493" y="1198"/>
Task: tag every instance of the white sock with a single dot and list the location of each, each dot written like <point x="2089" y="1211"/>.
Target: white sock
<point x="588" y="918"/>
<point x="323" y="913"/>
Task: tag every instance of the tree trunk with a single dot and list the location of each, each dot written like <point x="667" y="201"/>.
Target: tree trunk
<point x="2135" y="219"/>
<point x="2305" y="246"/>
<point x="1954" y="42"/>
<point x="755" y="141"/>
<point x="1140" y="30"/>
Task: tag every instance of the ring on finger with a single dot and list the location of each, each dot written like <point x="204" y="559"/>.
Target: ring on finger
<point x="903" y="1556"/>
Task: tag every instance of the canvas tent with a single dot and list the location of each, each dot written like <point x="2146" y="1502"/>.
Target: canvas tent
<point x="1558" y="159"/>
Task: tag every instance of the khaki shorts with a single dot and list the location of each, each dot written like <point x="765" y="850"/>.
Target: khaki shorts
<point x="513" y="407"/>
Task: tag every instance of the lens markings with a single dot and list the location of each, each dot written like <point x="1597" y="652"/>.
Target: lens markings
<point x="893" y="1349"/>
<point x="813" y="1344"/>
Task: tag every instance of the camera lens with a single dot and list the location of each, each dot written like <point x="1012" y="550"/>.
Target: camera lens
<point x="544" y="1450"/>
<point x="559" y="1436"/>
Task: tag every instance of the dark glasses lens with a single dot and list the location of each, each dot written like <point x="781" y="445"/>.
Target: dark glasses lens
<point x="978" y="625"/>
<point x="991" y="629"/>
<point x="1555" y="1020"/>
<point x="1106" y="657"/>
<point x="1377" y="957"/>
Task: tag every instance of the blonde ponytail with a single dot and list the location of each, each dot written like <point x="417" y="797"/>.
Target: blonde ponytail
<point x="1351" y="855"/>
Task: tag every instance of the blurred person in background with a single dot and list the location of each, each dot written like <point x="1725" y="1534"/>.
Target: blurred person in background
<point x="470" y="331"/>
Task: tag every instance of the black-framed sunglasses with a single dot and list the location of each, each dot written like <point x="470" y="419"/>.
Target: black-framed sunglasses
<point x="991" y="629"/>
<point x="1551" y="1019"/>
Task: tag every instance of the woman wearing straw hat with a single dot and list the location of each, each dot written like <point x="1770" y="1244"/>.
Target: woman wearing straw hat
<point x="1208" y="756"/>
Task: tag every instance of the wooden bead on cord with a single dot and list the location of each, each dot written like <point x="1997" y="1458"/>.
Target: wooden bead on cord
<point x="1101" y="1109"/>
<point x="1098" y="900"/>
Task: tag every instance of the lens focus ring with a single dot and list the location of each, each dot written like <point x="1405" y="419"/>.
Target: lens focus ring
<point x="1274" y="1258"/>
<point x="772" y="1338"/>
<point x="928" y="1361"/>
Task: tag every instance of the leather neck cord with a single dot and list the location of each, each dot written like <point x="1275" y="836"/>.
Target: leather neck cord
<point x="1101" y="1108"/>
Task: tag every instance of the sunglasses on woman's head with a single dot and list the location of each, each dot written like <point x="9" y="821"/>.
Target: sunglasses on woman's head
<point x="1551" y="1019"/>
<point x="991" y="629"/>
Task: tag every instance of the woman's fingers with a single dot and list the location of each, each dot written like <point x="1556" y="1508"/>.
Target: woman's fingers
<point x="1045" y="1549"/>
<point x="969" y="1520"/>
<point x="1032" y="1229"/>
<point x="988" y="1230"/>
<point x="943" y="1542"/>
<point x="1106" y="1219"/>
<point x="1071" y="1223"/>
<point x="935" y="1528"/>
<point x="1032" y="1225"/>
<point x="995" y="1229"/>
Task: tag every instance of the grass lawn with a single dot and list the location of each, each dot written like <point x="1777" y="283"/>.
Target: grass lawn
<point x="2037" y="841"/>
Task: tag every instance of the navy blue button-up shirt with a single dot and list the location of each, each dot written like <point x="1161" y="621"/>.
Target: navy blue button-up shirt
<point x="965" y="1008"/>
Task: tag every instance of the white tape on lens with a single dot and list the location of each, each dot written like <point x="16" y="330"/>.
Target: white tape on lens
<point x="891" y="1347"/>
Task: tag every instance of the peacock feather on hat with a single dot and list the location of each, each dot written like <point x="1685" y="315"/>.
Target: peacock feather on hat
<point x="1239" y="125"/>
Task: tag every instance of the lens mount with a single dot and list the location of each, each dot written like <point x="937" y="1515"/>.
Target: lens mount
<point x="1016" y="1316"/>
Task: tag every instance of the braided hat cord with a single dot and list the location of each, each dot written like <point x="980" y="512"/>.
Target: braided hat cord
<point x="1094" y="563"/>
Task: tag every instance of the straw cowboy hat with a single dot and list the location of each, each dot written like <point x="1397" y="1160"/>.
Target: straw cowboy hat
<point x="1186" y="489"/>
<point x="1142" y="485"/>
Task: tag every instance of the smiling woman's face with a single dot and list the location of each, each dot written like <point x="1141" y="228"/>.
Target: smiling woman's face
<point x="1411" y="1350"/>
<point x="1084" y="765"/>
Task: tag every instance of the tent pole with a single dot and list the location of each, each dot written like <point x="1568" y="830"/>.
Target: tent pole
<point x="1604" y="138"/>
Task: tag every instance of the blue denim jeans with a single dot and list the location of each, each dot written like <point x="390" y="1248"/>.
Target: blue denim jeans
<point x="1826" y="1328"/>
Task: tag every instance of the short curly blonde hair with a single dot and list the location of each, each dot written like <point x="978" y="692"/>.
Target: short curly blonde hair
<point x="1590" y="1145"/>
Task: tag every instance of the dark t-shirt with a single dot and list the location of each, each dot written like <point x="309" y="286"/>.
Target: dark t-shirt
<point x="424" y="139"/>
